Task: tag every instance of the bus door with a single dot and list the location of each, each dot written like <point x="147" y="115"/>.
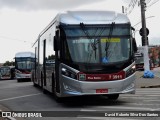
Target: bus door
<point x="57" y="60"/>
<point x="44" y="64"/>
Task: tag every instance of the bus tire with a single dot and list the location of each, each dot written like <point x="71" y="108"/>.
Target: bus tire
<point x="113" y="96"/>
<point x="58" y="99"/>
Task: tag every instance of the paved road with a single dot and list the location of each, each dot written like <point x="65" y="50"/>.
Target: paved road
<point x="24" y="97"/>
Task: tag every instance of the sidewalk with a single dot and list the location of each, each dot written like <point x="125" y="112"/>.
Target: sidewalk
<point x="148" y="82"/>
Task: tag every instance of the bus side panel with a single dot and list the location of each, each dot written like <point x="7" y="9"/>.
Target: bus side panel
<point x="36" y="71"/>
<point x="47" y="57"/>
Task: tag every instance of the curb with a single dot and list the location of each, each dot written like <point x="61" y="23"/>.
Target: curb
<point x="150" y="86"/>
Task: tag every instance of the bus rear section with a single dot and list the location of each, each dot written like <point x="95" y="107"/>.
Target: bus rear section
<point x="93" y="53"/>
<point x="24" y="63"/>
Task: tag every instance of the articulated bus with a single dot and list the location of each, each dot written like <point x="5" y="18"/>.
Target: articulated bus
<point x="93" y="54"/>
<point x="24" y="63"/>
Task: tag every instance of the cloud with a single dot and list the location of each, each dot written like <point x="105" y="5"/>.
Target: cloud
<point x="44" y="4"/>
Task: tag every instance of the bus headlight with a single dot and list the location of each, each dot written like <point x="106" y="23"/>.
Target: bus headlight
<point x="130" y="71"/>
<point x="68" y="73"/>
<point x="17" y="71"/>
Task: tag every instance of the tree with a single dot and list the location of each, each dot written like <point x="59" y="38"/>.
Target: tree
<point x="8" y="63"/>
<point x="51" y="57"/>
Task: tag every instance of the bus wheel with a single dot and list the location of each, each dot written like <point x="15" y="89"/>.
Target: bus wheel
<point x="113" y="96"/>
<point x="58" y="99"/>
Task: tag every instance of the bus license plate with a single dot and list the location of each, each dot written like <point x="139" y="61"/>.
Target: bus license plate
<point x="101" y="90"/>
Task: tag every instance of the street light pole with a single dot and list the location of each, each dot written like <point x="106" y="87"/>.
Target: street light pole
<point x="144" y="35"/>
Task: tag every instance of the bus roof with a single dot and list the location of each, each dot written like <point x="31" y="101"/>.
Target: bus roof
<point x="25" y="54"/>
<point x="88" y="17"/>
<point x="92" y="17"/>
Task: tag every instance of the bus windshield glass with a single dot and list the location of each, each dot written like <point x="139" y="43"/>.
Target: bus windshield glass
<point x="5" y="71"/>
<point x="25" y="63"/>
<point x="98" y="44"/>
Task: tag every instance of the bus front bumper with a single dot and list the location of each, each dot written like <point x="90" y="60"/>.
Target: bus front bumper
<point x="72" y="87"/>
<point x="23" y="76"/>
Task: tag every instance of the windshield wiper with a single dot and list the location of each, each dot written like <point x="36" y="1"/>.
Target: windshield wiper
<point x="93" y="45"/>
<point x="88" y="35"/>
<point x="95" y="42"/>
<point x="109" y="37"/>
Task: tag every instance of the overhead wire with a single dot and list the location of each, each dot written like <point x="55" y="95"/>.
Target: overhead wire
<point x="14" y="39"/>
<point x="147" y="2"/>
<point x="154" y="2"/>
<point x="131" y="6"/>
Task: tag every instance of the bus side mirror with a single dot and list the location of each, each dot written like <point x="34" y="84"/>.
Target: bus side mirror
<point x="134" y="45"/>
<point x="132" y="28"/>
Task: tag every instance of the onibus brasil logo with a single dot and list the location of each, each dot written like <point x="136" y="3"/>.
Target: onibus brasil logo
<point x="21" y="114"/>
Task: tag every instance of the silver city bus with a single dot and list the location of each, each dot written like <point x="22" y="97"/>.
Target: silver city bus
<point x="93" y="54"/>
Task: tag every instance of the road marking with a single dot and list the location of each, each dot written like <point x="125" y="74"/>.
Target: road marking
<point x="140" y="97"/>
<point x="158" y="109"/>
<point x="141" y="104"/>
<point x="20" y="97"/>
<point x="149" y="100"/>
<point x="11" y="118"/>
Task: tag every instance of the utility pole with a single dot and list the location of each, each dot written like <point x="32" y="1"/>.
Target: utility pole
<point x="144" y="36"/>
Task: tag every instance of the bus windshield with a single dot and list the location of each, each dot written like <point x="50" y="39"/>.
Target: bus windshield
<point x="25" y="63"/>
<point x="5" y="71"/>
<point x="98" y="45"/>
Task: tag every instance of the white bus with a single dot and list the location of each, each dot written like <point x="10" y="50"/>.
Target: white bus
<point x="93" y="53"/>
<point x="24" y="63"/>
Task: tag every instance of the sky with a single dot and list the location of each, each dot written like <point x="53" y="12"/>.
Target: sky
<point x="21" y="21"/>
